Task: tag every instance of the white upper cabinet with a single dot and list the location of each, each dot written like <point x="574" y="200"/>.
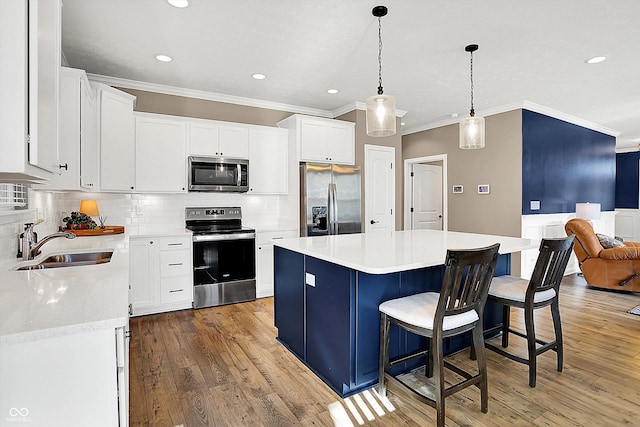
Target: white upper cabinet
<point x="29" y="84"/>
<point x="268" y="160"/>
<point x="218" y="139"/>
<point x="160" y="154"/>
<point x="234" y="141"/>
<point x="89" y="172"/>
<point x="322" y="140"/>
<point x="116" y="138"/>
<point x="77" y="149"/>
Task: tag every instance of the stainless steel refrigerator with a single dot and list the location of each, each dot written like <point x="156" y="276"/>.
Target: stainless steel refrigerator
<point x="330" y="199"/>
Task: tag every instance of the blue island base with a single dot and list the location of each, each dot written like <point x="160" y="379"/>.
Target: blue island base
<point x="327" y="315"/>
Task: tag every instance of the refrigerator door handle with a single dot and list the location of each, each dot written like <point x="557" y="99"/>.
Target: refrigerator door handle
<point x="333" y="210"/>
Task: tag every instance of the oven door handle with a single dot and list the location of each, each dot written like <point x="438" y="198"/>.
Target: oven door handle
<point x="221" y="237"/>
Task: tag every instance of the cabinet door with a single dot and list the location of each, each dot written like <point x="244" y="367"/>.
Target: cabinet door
<point x="67" y="177"/>
<point x="160" y="155"/>
<point x="329" y="321"/>
<point x="203" y="139"/>
<point x="288" y="304"/>
<point x="264" y="270"/>
<point x="313" y="141"/>
<point x="117" y="142"/>
<point x="268" y="161"/>
<point x="88" y="141"/>
<point x="234" y="141"/>
<point x="143" y="273"/>
<point x="44" y="77"/>
<point x="341" y="143"/>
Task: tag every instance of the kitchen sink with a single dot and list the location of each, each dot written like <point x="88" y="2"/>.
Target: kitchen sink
<point x="70" y="260"/>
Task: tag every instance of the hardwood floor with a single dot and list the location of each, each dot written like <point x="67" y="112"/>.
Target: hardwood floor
<point x="222" y="366"/>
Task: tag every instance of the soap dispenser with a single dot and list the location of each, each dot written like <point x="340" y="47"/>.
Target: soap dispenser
<point x="20" y="237"/>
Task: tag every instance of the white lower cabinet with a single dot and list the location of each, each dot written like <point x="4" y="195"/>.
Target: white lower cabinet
<point x="264" y="259"/>
<point x="77" y="379"/>
<point x="160" y="274"/>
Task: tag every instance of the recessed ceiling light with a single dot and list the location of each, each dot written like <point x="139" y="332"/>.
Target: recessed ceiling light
<point x="259" y="76"/>
<point x="164" y="58"/>
<point x="332" y="91"/>
<point x="179" y="3"/>
<point x="595" y="59"/>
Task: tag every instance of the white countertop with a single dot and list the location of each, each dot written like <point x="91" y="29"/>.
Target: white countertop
<point x="389" y="252"/>
<point x="38" y="304"/>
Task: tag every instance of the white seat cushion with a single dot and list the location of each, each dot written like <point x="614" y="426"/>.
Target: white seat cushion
<point x="420" y="309"/>
<point x="514" y="289"/>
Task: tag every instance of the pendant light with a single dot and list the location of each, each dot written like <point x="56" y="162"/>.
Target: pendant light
<point x="472" y="127"/>
<point x="381" y="109"/>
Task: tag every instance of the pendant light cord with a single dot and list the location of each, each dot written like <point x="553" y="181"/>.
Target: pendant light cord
<point x="379" y="57"/>
<point x="472" y="112"/>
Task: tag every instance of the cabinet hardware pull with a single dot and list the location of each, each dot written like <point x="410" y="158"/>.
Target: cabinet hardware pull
<point x="175" y="244"/>
<point x="175" y="263"/>
<point x="176" y="290"/>
<point x="65" y="167"/>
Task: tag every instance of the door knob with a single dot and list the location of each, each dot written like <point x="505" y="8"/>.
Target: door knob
<point x="439" y="216"/>
<point x="374" y="222"/>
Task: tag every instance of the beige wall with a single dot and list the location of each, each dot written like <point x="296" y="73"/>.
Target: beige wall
<point x="159" y="103"/>
<point x="499" y="164"/>
<point x="395" y="141"/>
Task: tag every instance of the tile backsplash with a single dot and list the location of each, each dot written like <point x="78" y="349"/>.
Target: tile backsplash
<point x="137" y="212"/>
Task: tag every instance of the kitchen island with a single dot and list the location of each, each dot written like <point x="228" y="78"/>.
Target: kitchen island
<point x="328" y="288"/>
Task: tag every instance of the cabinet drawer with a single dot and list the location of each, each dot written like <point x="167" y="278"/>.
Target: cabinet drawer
<point x="182" y="242"/>
<point x="274" y="236"/>
<point x="176" y="289"/>
<point x="175" y="263"/>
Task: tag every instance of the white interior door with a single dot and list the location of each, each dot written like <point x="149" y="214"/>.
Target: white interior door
<point x="379" y="188"/>
<point x="427" y="197"/>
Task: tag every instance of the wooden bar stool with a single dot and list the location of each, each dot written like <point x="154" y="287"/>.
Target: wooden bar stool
<point x="456" y="309"/>
<point x="542" y="290"/>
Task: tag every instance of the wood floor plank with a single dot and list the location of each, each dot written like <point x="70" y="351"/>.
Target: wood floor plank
<point x="222" y="366"/>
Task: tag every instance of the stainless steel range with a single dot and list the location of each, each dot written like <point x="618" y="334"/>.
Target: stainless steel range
<point x="224" y="265"/>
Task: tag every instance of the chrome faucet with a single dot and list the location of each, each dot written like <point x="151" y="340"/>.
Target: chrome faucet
<point x="29" y="247"/>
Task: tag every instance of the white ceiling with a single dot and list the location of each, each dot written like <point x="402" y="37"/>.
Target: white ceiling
<point x="530" y="51"/>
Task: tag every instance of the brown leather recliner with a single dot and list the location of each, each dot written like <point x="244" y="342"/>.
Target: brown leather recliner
<point x="613" y="268"/>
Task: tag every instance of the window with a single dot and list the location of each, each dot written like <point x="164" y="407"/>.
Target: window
<point x="13" y="196"/>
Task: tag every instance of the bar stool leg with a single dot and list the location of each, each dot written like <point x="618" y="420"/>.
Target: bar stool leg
<point x="384" y="353"/>
<point x="438" y="371"/>
<point x="557" y="327"/>
<point x="531" y="345"/>
<point x="478" y="343"/>
<point x="506" y="324"/>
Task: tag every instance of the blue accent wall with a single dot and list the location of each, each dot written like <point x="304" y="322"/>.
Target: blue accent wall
<point x="563" y="164"/>
<point x="627" y="180"/>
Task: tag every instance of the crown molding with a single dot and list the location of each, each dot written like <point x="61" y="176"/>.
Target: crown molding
<point x="525" y="105"/>
<point x="209" y="96"/>
<point x="569" y="118"/>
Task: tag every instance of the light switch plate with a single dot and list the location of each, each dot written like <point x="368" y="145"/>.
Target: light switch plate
<point x="535" y="205"/>
<point x="310" y="279"/>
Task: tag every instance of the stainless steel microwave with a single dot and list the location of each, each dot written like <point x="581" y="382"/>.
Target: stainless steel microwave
<point x="218" y="174"/>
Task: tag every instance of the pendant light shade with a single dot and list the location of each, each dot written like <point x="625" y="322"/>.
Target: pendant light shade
<point x="472" y="127"/>
<point x="381" y="115"/>
<point x="381" y="108"/>
<point x="472" y="132"/>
